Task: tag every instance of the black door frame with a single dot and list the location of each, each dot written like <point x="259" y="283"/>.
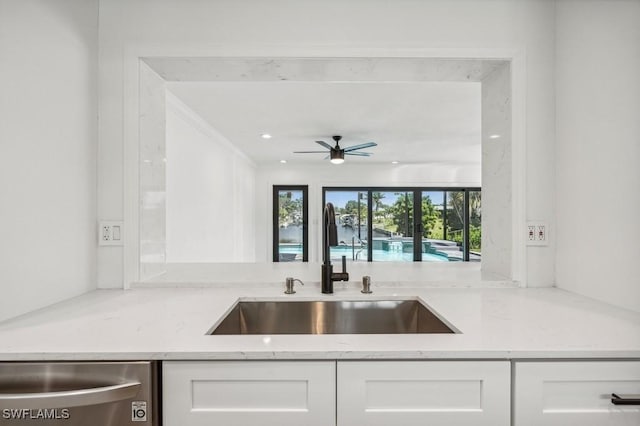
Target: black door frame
<point x="276" y="219"/>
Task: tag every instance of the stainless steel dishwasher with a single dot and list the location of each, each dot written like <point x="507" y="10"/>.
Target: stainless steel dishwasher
<point x="79" y="393"/>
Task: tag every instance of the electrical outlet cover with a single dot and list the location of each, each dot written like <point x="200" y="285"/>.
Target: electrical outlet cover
<point x="110" y="233"/>
<point x="537" y="233"/>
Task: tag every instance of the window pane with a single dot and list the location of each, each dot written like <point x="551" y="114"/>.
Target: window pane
<point x="290" y="225"/>
<point x="434" y="246"/>
<point x="475" y="226"/>
<point x="392" y="226"/>
<point x="351" y="220"/>
<point x="454" y="227"/>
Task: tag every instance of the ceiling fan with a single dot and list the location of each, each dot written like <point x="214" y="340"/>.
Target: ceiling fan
<point x="336" y="153"/>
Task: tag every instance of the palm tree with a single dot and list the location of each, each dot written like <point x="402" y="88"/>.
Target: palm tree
<point x="456" y="203"/>
<point x="377" y="197"/>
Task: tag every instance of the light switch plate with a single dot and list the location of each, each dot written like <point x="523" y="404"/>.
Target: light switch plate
<point x="110" y="233"/>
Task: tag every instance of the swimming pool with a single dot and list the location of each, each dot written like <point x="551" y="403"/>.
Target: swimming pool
<point x="394" y="254"/>
<point x="381" y="255"/>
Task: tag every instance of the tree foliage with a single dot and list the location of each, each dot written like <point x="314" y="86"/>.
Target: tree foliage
<point x="455" y="217"/>
<point x="290" y="209"/>
<point x="351" y="207"/>
<point x="402" y="215"/>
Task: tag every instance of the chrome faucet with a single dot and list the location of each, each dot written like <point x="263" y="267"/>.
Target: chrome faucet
<point x="330" y="239"/>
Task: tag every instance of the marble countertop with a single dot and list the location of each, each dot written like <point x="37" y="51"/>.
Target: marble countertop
<point x="170" y="324"/>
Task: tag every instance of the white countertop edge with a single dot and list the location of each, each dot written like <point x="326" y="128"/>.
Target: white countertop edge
<point x="380" y="284"/>
<point x="517" y="356"/>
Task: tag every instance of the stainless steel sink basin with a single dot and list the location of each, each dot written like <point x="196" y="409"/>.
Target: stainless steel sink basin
<point x="330" y="317"/>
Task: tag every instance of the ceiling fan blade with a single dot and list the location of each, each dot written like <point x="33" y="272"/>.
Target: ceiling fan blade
<point x="309" y="152"/>
<point x="361" y="146"/>
<point x="361" y="154"/>
<point x="326" y="145"/>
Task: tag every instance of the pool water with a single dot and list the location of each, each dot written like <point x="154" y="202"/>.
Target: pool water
<point x="361" y="254"/>
<point x="383" y="255"/>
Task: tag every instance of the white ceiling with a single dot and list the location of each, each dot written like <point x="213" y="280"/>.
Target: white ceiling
<point x="411" y="121"/>
<point x="418" y="110"/>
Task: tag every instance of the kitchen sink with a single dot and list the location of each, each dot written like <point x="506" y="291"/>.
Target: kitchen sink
<point x="330" y="317"/>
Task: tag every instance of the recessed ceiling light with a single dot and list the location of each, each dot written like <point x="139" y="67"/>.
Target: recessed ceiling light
<point x="494" y="136"/>
<point x="265" y="136"/>
<point x="394" y="162"/>
<point x="283" y="161"/>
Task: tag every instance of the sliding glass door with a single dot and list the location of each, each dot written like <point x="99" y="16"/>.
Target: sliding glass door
<point x="433" y="245"/>
<point x="393" y="226"/>
<point x="407" y="224"/>
<point x="352" y="220"/>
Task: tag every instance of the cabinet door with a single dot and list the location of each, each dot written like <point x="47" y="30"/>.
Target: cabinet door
<point x="249" y="393"/>
<point x="575" y="393"/>
<point x="433" y="393"/>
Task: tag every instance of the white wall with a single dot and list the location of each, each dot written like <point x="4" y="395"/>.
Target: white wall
<point x="598" y="149"/>
<point x="48" y="134"/>
<point x="151" y="237"/>
<point x="525" y="26"/>
<point x="497" y="188"/>
<point x="48" y="109"/>
<point x="210" y="197"/>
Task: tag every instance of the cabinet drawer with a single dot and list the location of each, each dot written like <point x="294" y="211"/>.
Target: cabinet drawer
<point x="424" y="392"/>
<point x="568" y="393"/>
<point x="249" y="393"/>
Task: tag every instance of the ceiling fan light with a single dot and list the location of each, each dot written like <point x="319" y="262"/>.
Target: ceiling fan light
<point x="337" y="157"/>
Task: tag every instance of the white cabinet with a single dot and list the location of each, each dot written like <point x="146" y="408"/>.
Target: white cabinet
<point x="450" y="393"/>
<point x="575" y="393"/>
<point x="246" y="393"/>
